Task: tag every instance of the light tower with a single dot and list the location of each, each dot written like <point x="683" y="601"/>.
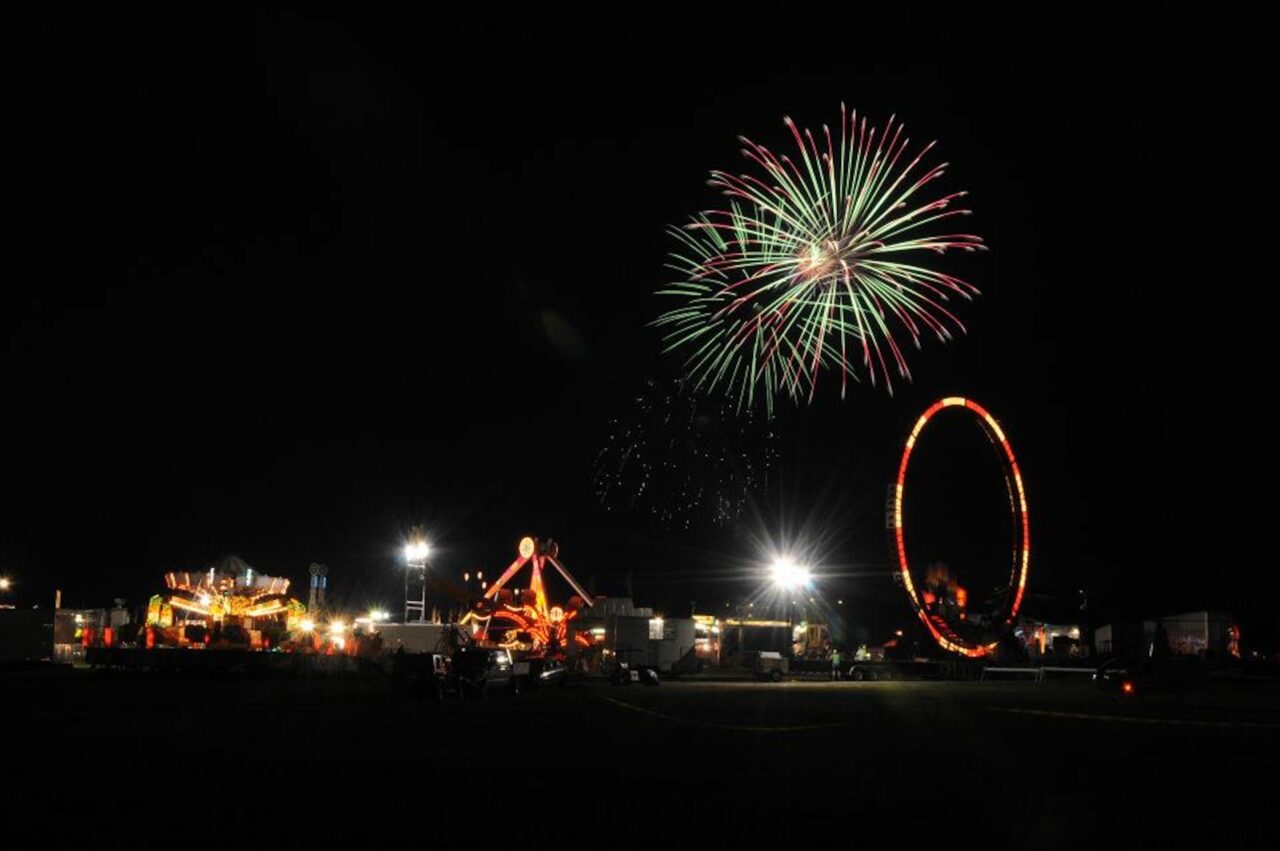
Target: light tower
<point x="416" y="552"/>
<point x="789" y="578"/>
<point x="319" y="581"/>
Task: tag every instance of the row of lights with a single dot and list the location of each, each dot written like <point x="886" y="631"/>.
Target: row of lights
<point x="339" y="627"/>
<point x="785" y="572"/>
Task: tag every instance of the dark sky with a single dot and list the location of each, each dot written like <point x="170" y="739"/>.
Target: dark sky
<point x="309" y="278"/>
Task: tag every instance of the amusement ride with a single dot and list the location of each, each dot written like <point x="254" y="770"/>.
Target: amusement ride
<point x="938" y="600"/>
<point x="526" y="620"/>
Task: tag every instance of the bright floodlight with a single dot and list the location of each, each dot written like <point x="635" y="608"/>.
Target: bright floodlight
<point x="307" y="624"/>
<point x="416" y="551"/>
<point x="787" y="574"/>
<point x="336" y="628"/>
<point x="4" y="583"/>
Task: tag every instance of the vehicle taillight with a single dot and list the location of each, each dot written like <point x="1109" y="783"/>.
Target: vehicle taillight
<point x="1127" y="687"/>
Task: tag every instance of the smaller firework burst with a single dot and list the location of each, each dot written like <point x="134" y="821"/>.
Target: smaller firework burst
<point x="684" y="459"/>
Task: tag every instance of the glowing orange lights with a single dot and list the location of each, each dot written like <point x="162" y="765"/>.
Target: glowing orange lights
<point x="528" y="620"/>
<point x="238" y="596"/>
<point x="1127" y="687"/>
<point x="923" y="600"/>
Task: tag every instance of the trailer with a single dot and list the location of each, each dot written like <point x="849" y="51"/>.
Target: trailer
<point x="412" y="638"/>
<point x="1210" y="635"/>
<point x="766" y="665"/>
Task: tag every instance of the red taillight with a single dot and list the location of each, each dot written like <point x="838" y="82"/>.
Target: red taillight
<point x="1127" y="687"/>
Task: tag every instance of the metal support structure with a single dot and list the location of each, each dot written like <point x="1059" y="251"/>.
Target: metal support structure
<point x="416" y="553"/>
<point x="415" y="591"/>
<point x="545" y="624"/>
<point x="319" y="581"/>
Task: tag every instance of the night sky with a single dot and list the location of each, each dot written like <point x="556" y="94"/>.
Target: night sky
<point x="309" y="279"/>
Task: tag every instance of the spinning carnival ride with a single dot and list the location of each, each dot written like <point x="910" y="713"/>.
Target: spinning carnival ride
<point x="232" y="596"/>
<point x="525" y="621"/>
<point x="939" y="601"/>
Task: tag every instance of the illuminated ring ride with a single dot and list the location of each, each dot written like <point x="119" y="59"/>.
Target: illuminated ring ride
<point x="947" y="638"/>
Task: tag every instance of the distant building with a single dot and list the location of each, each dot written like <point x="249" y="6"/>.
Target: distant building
<point x="419" y="637"/>
<point x="603" y="607"/>
<point x="618" y="628"/>
<point x="1205" y="634"/>
<point x="69" y="626"/>
<point x="1126" y="639"/>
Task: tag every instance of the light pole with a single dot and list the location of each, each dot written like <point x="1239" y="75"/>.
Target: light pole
<point x="789" y="577"/>
<point x="415" y="556"/>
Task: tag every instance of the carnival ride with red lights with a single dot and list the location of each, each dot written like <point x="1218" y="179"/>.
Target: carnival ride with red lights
<point x="940" y="592"/>
<point x="527" y="621"/>
<point x="232" y="601"/>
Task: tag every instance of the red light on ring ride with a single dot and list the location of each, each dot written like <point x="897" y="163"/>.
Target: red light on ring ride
<point x="1017" y="502"/>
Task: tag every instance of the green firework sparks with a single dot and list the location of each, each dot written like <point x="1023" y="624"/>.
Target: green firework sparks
<point x="810" y="266"/>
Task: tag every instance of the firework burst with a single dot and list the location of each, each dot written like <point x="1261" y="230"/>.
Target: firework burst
<point x="808" y="268"/>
